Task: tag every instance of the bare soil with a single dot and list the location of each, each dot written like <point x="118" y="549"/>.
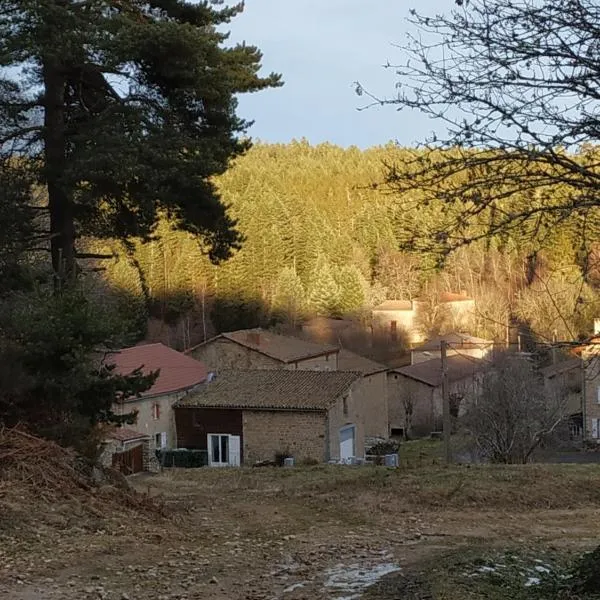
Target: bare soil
<point x="320" y="532"/>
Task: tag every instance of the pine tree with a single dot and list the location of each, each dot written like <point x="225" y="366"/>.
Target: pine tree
<point x="128" y="109"/>
<point x="290" y="296"/>
<point x="324" y="291"/>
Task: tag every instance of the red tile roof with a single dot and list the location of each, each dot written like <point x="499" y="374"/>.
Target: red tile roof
<point x="178" y="372"/>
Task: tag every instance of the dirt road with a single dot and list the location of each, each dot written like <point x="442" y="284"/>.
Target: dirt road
<point x="252" y="535"/>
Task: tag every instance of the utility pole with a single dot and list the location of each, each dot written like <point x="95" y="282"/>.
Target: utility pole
<point x="583" y="399"/>
<point x="446" y="402"/>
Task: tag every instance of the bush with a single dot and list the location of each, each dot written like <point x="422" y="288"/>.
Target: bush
<point x="383" y="448"/>
<point x="182" y="458"/>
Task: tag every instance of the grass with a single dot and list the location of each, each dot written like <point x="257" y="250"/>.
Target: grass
<point x="489" y="487"/>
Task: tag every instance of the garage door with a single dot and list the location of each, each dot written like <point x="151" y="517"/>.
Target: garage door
<point x="347" y="435"/>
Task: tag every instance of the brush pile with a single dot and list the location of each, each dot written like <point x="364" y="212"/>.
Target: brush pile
<point x="35" y="468"/>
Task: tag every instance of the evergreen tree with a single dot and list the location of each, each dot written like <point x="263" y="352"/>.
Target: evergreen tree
<point x="353" y="289"/>
<point x="324" y="291"/>
<point x="128" y="109"/>
<point x="289" y="298"/>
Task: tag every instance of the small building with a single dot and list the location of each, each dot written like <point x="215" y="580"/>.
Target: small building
<point x="178" y="375"/>
<point x="126" y="450"/>
<point x="415" y="393"/>
<point x="260" y="349"/>
<point x="394" y="316"/>
<point x="456" y="343"/>
<point x="590" y="354"/>
<point x="246" y="416"/>
<point x="374" y="387"/>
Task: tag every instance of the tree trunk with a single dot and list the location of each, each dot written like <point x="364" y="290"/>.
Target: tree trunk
<point x="62" y="226"/>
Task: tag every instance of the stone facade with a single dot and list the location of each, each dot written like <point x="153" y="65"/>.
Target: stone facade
<point x="159" y="425"/>
<point x="591" y="355"/>
<point x="301" y="433"/>
<point x="425" y="401"/>
<point x="221" y="353"/>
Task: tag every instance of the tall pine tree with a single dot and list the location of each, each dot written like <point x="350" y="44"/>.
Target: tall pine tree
<point x="127" y="108"/>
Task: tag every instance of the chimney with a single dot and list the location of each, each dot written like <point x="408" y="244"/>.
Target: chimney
<point x="596" y="326"/>
<point x="253" y="338"/>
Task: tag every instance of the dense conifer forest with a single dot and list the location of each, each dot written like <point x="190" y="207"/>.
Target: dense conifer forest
<point x="322" y="237"/>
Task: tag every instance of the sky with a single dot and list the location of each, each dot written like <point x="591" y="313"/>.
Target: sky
<point x="321" y="47"/>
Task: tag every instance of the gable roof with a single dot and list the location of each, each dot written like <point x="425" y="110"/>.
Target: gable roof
<point x="348" y="361"/>
<point x="455" y="340"/>
<point x="178" y="372"/>
<point x="283" y="348"/>
<point x="430" y="371"/>
<point x="562" y="366"/>
<point x="274" y="389"/>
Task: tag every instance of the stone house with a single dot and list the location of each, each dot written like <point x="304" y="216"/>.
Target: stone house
<point x="415" y="393"/>
<point x="392" y="316"/>
<point x="590" y="354"/>
<point x="565" y="378"/>
<point x="245" y="416"/>
<point x="456" y="343"/>
<point x="373" y="388"/>
<point x="260" y="349"/>
<point x="179" y="374"/>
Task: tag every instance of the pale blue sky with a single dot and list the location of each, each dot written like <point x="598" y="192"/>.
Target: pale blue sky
<point x="321" y="47"/>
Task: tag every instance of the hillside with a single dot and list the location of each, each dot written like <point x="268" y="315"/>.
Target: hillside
<point x="321" y="239"/>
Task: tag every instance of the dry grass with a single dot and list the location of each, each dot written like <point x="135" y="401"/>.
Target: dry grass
<point x="523" y="488"/>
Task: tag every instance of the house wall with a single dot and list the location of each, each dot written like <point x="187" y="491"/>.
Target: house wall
<point x="354" y="411"/>
<point x="592" y="391"/>
<point x="426" y="401"/>
<point x="371" y="399"/>
<point x="222" y="353"/>
<point x="146" y="423"/>
<point x="194" y="424"/>
<point x="266" y="433"/>
<point x="405" y="320"/>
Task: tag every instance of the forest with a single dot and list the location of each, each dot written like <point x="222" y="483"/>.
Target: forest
<point x="322" y="237"/>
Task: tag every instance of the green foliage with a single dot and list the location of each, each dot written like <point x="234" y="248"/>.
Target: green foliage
<point x="138" y="113"/>
<point x="321" y="240"/>
<point x="54" y="377"/>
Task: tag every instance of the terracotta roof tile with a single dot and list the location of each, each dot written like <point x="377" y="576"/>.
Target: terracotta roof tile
<point x="394" y="305"/>
<point x="178" y="372"/>
<point x="280" y="347"/>
<point x="275" y="389"/>
<point x="430" y="371"/>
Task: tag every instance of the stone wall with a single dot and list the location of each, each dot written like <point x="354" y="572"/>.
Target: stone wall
<point x="147" y="424"/>
<point x="265" y="433"/>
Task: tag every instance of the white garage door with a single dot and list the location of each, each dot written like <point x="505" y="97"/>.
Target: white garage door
<point x="347" y="442"/>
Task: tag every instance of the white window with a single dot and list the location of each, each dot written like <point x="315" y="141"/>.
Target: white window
<point x="598" y="394"/>
<point x="223" y="450"/>
<point x="156" y="411"/>
<point x="160" y="439"/>
<point x="596" y="428"/>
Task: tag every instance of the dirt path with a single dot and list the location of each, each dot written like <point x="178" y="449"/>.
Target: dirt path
<point x="254" y="544"/>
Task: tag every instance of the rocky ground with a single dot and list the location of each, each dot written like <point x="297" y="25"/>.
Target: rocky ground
<point x="322" y="533"/>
